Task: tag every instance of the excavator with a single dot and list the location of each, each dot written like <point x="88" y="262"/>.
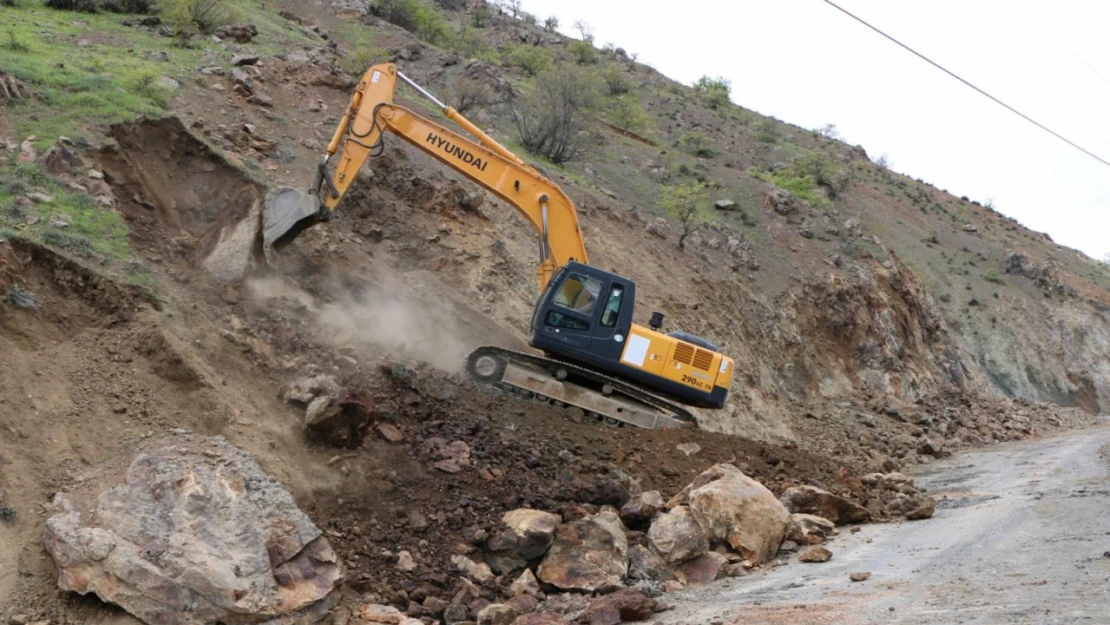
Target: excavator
<point x="594" y="357"/>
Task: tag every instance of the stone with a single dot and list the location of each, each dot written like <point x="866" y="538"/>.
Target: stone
<point x="40" y="198"/>
<point x="57" y="221"/>
<point x="417" y="521"/>
<point x="469" y="200"/>
<point x="784" y="202"/>
<point x="497" y="614"/>
<point x="233" y="255"/>
<point x="476" y="571"/>
<point x="678" y="536"/>
<point x="241" y="78"/>
<point x="702" y="569"/>
<point x="191" y="521"/>
<point x="814" y="553"/>
<point x="625" y="605"/>
<point x="239" y="60"/>
<point x="804" y="525"/>
<point x="453" y="457"/>
<point x="658" y="227"/>
<point x="642" y="508"/>
<point x="304" y="390"/>
<point x="925" y="510"/>
<point x="241" y="33"/>
<point x="312" y="105"/>
<point x="860" y="577"/>
<point x="539" y="619"/>
<point x="58" y="160"/>
<point x="725" y="205"/>
<point x="455" y="613"/>
<point x="405" y="562"/>
<point x="688" y="449"/>
<point x="27" y="151"/>
<point x="389" y="433"/>
<point x="588" y="554"/>
<point x="970" y="228"/>
<point x="527" y="533"/>
<point x="609" y="194"/>
<point x="261" y="99"/>
<point x="644" y="564"/>
<point x="526" y="584"/>
<point x="168" y="83"/>
<point x="671" y="586"/>
<point x="523" y="604"/>
<point x="813" y="500"/>
<point x="387" y="614"/>
<point x="737" y="510"/>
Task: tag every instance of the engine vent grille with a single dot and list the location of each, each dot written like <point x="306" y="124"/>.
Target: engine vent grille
<point x="703" y="360"/>
<point x="684" y="353"/>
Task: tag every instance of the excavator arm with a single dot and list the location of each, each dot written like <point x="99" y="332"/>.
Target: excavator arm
<point x="486" y="162"/>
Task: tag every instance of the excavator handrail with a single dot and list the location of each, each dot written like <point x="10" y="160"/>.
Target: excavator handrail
<point x="486" y="162"/>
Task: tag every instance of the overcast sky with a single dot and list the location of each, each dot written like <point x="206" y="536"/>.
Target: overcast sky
<point x="806" y="63"/>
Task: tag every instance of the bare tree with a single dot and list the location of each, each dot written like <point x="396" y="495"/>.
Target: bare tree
<point x="512" y="6"/>
<point x="828" y="131"/>
<point x="550" y="24"/>
<point x="686" y="204"/>
<point x="585" y="30"/>
<point x="469" y="95"/>
<point x="555" y="118"/>
<point x="1106" y="258"/>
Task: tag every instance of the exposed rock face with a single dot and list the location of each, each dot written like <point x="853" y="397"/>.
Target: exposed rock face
<point x="678" y="536"/>
<point x="813" y="500"/>
<point x="588" y="554"/>
<point x="735" y="509"/>
<point x="189" y="530"/>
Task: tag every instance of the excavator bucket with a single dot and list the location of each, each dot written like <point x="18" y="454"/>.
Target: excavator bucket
<point x="287" y="212"/>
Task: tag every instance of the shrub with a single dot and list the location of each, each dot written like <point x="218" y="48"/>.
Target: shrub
<point x="551" y="24"/>
<point x="824" y="171"/>
<point x="20" y="297"/>
<point x="715" y="92"/>
<point x="992" y="276"/>
<point x="584" y="52"/>
<point x="88" y="6"/>
<point x="698" y="144"/>
<point x="626" y="112"/>
<point x="470" y="44"/>
<point x="532" y="59"/>
<point x="7" y="3"/>
<point x="469" y="95"/>
<point x="616" y="82"/>
<point x="415" y="16"/>
<point x="687" y="205"/>
<point x="356" y="64"/>
<point x="481" y="16"/>
<point x="528" y="18"/>
<point x="554" y="119"/>
<point x="188" y="17"/>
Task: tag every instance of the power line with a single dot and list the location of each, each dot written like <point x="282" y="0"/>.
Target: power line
<point x="1064" y="45"/>
<point x="981" y="92"/>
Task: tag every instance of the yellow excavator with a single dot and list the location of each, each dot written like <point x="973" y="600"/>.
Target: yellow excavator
<point x="595" y="357"/>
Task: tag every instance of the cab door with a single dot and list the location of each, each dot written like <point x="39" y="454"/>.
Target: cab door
<point x="571" y="316"/>
<point x="614" y="320"/>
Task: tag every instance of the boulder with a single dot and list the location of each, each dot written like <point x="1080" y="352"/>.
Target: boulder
<point x="813" y="500"/>
<point x="784" y="202"/>
<point x="588" y="554"/>
<point x="525" y="533"/>
<point x="642" y="508"/>
<point x="814" y="553"/>
<point x="735" y="509"/>
<point x="914" y="508"/>
<point x="305" y="390"/>
<point x="188" y="530"/>
<point x="241" y="33"/>
<point x="497" y="614"/>
<point x="476" y="571"/>
<point x="27" y="151"/>
<point x="677" y="536"/>
<point x="725" y="205"/>
<point x="59" y="159"/>
<point x="803" y="526"/>
<point x="526" y="584"/>
<point x="622" y="606"/>
<point x="702" y="569"/>
<point x="645" y="564"/>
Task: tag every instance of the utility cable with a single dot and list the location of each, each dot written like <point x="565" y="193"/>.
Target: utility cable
<point x="1065" y="46"/>
<point x="981" y="92"/>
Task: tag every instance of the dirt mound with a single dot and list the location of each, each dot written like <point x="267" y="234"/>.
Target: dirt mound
<point x="182" y="200"/>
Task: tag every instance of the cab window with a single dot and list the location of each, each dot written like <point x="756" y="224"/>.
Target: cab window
<point x="612" y="310"/>
<point x="579" y="294"/>
<point x="559" y="320"/>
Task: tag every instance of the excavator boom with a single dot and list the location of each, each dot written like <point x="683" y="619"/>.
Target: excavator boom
<point x="595" y="355"/>
<point x="488" y="163"/>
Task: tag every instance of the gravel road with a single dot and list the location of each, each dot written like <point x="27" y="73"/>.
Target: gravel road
<point x="1021" y="536"/>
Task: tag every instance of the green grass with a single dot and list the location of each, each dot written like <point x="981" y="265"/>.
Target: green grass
<point x="992" y="276"/>
<point x="93" y="231"/>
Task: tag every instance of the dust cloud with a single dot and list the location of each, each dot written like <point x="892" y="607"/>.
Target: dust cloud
<point x="380" y="322"/>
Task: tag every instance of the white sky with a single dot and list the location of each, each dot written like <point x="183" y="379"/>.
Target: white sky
<point x="806" y="63"/>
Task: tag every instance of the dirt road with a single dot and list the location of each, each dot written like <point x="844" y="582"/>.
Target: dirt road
<point x="1020" y="536"/>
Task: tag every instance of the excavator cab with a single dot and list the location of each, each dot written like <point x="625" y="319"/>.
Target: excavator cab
<point x="585" y="316"/>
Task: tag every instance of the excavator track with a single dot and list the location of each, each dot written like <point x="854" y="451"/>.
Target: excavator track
<point x="559" y="381"/>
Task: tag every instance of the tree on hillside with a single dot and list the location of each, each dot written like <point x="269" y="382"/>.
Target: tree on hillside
<point x="828" y="131"/>
<point x="555" y="118"/>
<point x="550" y="24"/>
<point x="585" y="30"/>
<point x="686" y="204"/>
<point x="716" y="92"/>
<point x="513" y="7"/>
<point x="1106" y="258"/>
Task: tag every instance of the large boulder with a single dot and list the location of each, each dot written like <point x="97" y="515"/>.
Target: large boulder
<point x="735" y="509"/>
<point x="588" y="554"/>
<point x="642" y="508"/>
<point x="188" y="530"/>
<point x="525" y="533"/>
<point x="678" y="536"/>
<point x="813" y="500"/>
<point x="644" y="564"/>
<point x="623" y="606"/>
